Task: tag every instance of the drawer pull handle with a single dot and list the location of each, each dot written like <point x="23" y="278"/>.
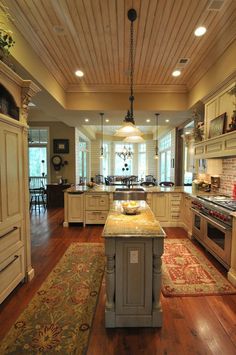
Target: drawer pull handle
<point x="9" y="232"/>
<point x="11" y="262"/>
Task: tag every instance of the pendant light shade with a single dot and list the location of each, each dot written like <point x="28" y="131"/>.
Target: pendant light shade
<point x="134" y="139"/>
<point x="128" y="128"/>
<point x="156" y="145"/>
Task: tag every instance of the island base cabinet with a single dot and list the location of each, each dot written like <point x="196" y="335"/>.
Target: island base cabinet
<point x="133" y="282"/>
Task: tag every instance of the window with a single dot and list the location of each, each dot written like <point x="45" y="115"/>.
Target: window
<point x="165" y="157"/>
<point x="123" y="167"/>
<point x="142" y="161"/>
<point x="105" y="162"/>
<point x="83" y="159"/>
<point x="38" y="157"/>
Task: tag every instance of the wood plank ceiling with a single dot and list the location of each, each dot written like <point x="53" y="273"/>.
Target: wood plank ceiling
<point x="93" y="35"/>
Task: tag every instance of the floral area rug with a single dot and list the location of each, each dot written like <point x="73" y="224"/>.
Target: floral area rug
<point x="59" y="317"/>
<point x="187" y="272"/>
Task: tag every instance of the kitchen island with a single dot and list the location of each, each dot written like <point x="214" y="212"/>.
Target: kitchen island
<point x="133" y="247"/>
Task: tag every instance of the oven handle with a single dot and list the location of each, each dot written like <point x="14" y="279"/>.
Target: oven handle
<point x="210" y="220"/>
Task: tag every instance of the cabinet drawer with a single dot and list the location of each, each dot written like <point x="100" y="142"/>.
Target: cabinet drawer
<point x="175" y="209"/>
<point x="175" y="203"/>
<point x="96" y="217"/>
<point x="174" y="216"/>
<point x="97" y="202"/>
<point x="12" y="271"/>
<point x="175" y="197"/>
<point x="11" y="239"/>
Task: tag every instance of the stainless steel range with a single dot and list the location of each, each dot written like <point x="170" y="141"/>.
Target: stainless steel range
<point x="212" y="224"/>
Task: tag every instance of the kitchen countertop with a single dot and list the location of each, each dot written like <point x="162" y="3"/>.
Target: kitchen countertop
<point x="78" y="189"/>
<point x="143" y="224"/>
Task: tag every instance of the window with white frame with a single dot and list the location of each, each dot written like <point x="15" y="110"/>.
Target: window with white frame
<point x="83" y="159"/>
<point x="165" y="157"/>
<point x="38" y="139"/>
<point x="105" y="162"/>
<point x="142" y="161"/>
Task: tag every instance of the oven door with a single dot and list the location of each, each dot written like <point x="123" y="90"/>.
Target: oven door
<point x="198" y="229"/>
<point x="218" y="240"/>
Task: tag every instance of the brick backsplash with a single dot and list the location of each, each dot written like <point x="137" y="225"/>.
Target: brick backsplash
<point x="228" y="176"/>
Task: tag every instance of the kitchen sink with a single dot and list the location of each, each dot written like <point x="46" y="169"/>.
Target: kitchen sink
<point x="125" y="189"/>
<point x="135" y="193"/>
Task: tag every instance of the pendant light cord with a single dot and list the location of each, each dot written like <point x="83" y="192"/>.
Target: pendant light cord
<point x="101" y="114"/>
<point x="156" y="148"/>
<point x="132" y="15"/>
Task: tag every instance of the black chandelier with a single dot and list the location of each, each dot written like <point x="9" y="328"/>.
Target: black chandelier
<point x="125" y="154"/>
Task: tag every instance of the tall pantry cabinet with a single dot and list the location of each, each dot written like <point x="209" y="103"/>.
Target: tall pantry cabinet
<point x="15" y="241"/>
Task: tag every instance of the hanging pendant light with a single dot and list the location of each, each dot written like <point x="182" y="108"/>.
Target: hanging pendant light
<point x="134" y="139"/>
<point x="128" y="128"/>
<point x="156" y="146"/>
<point x="102" y="149"/>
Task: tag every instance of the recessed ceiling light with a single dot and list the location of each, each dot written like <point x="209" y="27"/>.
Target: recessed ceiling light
<point x="176" y="73"/>
<point x="107" y="120"/>
<point x="79" y="73"/>
<point x="200" y="31"/>
<point x="148" y="120"/>
<point x="86" y="119"/>
<point x="167" y="120"/>
<point x="187" y="132"/>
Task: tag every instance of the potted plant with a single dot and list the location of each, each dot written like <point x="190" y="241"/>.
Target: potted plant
<point x="6" y="42"/>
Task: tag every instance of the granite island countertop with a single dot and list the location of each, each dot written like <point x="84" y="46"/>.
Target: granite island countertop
<point x="78" y="189"/>
<point x="143" y="224"/>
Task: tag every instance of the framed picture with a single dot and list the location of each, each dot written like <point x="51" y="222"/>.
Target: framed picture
<point x="217" y="126"/>
<point x="60" y="146"/>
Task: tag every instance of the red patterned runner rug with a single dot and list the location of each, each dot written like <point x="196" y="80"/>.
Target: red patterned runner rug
<point x="59" y="316"/>
<point x="187" y="272"/>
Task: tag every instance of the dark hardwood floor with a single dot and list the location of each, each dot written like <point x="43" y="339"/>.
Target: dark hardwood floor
<point x="192" y="325"/>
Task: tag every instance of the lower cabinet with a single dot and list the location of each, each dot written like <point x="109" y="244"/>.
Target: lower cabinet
<point x="96" y="208"/>
<point x="160" y="206"/>
<point x="186" y="214"/>
<point x="175" y="201"/>
<point x="12" y="271"/>
<point x="75" y="208"/>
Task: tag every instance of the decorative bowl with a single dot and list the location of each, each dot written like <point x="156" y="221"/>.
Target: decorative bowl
<point x="131" y="207"/>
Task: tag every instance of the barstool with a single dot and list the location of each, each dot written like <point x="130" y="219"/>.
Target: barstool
<point x="37" y="199"/>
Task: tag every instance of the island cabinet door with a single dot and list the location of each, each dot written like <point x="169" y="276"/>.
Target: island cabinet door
<point x="133" y="276"/>
<point x="75" y="208"/>
<point x="160" y="206"/>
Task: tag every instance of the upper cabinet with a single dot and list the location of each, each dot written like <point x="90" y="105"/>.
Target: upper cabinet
<point x="15" y="94"/>
<point x="217" y="144"/>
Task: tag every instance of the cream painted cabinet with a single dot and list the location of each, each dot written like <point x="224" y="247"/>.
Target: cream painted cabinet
<point x="12" y="241"/>
<point x="96" y="208"/>
<point x="11" y="175"/>
<point x="174" y="203"/>
<point x="75" y="207"/>
<point x="15" y="244"/>
<point x="160" y="206"/>
<point x="186" y="214"/>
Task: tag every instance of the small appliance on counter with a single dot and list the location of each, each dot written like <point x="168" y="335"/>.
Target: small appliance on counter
<point x="215" y="183"/>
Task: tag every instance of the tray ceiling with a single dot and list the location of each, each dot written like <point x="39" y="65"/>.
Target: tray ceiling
<point x="93" y="35"/>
